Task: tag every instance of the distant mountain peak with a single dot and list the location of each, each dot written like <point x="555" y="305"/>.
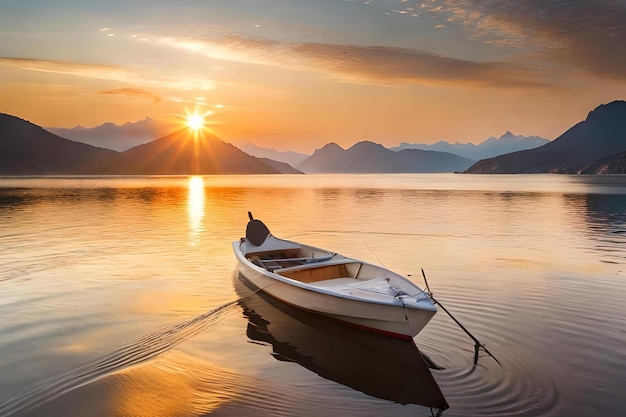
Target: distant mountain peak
<point x="366" y="144"/>
<point x="512" y="137"/>
<point x="492" y="146"/>
<point x="113" y="136"/>
<point x="329" y="149"/>
<point x="330" y="146"/>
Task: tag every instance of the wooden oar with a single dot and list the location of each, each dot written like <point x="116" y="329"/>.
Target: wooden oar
<point x="477" y="344"/>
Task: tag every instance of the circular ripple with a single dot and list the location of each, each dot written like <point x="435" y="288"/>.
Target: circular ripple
<point x="519" y="387"/>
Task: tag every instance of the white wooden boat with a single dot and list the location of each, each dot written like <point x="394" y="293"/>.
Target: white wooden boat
<point x="352" y="291"/>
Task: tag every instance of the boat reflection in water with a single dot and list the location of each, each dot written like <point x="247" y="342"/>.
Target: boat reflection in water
<point x="380" y="366"/>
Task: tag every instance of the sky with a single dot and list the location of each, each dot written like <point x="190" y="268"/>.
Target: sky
<point x="296" y="74"/>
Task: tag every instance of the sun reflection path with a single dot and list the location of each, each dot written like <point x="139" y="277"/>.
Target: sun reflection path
<point x="195" y="208"/>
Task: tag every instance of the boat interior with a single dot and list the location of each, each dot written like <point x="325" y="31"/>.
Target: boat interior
<point x="318" y="267"/>
<point x="304" y="265"/>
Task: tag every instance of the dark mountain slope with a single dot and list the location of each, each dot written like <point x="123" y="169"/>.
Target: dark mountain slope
<point x="184" y="152"/>
<point x="27" y="149"/>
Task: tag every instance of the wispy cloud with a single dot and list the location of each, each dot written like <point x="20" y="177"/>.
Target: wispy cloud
<point x="587" y="34"/>
<point x="357" y="63"/>
<point x="62" y="67"/>
<point x="398" y="65"/>
<point x="133" y="92"/>
<point x="113" y="73"/>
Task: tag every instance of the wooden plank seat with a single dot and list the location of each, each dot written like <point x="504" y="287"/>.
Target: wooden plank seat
<point x="272" y="264"/>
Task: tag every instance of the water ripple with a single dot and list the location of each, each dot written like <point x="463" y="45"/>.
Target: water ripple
<point x="132" y="353"/>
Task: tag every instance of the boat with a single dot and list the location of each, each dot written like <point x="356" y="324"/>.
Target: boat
<point x="354" y="292"/>
<point x="382" y="367"/>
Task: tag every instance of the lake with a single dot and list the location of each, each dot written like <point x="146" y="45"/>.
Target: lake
<point x="119" y="296"/>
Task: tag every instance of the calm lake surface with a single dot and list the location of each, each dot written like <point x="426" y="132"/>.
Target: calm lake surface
<point x="118" y="296"/>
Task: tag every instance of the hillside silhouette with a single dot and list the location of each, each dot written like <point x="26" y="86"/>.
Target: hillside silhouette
<point x="28" y="149"/>
<point x="600" y="136"/>
<point x="185" y="152"/>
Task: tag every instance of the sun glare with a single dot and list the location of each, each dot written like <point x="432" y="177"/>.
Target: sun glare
<point x="195" y="121"/>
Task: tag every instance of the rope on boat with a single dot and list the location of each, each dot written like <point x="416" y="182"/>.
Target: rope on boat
<point x="477" y="344"/>
<point x="400" y="294"/>
<point x="406" y="316"/>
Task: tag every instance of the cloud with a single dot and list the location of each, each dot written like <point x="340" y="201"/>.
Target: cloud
<point x="134" y="92"/>
<point x="112" y="73"/>
<point x="367" y="64"/>
<point x="587" y="34"/>
<point x="398" y="65"/>
<point x="61" y="67"/>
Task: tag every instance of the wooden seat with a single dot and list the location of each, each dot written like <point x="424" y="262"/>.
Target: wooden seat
<point x="319" y="273"/>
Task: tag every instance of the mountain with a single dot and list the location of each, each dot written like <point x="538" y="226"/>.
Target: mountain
<point x="601" y="135"/>
<point x="183" y="152"/>
<point x="112" y="136"/>
<point x="27" y="149"/>
<point x="491" y="147"/>
<point x="288" y="157"/>
<point x="370" y="157"/>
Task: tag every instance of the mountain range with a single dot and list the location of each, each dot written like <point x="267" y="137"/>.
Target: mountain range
<point x="595" y="145"/>
<point x="125" y="136"/>
<point x="367" y="157"/>
<point x="112" y="136"/>
<point x="27" y="149"/>
<point x="491" y="147"/>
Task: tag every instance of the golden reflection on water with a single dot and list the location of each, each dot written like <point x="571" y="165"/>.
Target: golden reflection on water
<point x="172" y="385"/>
<point x="195" y="208"/>
<point x="169" y="388"/>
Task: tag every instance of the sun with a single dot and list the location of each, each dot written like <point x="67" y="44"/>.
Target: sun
<point x="195" y="121"/>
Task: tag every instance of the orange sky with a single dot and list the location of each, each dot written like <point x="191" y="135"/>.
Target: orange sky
<point x="298" y="74"/>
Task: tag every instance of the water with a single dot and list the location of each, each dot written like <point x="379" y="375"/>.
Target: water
<point x="118" y="296"/>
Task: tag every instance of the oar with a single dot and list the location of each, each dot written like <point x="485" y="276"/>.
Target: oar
<point x="477" y="345"/>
